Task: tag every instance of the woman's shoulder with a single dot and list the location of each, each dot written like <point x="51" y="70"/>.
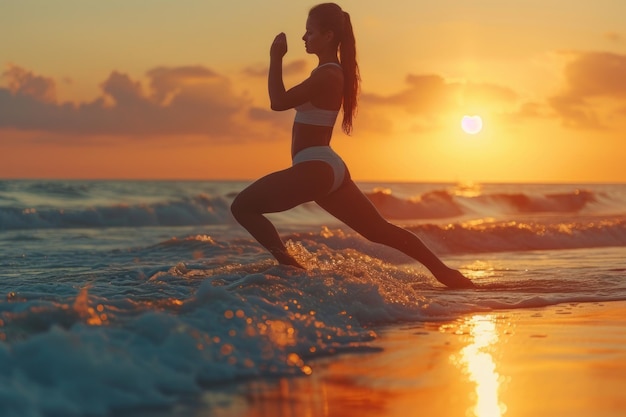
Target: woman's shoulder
<point x="328" y="72"/>
<point x="329" y="65"/>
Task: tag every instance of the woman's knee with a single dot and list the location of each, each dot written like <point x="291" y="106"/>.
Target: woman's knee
<point x="240" y="205"/>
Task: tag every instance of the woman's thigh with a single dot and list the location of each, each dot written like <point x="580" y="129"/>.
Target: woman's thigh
<point x="283" y="190"/>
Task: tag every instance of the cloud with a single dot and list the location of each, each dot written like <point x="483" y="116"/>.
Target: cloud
<point x="166" y="82"/>
<point x="277" y="119"/>
<point x="595" y="85"/>
<point x="485" y="92"/>
<point x="124" y="91"/>
<point x="429" y="99"/>
<point x="597" y="74"/>
<point x="528" y="111"/>
<point x="425" y="94"/>
<point x="431" y="94"/>
<point x="614" y="37"/>
<point x="24" y="82"/>
<point x="532" y="109"/>
<point x="575" y="112"/>
<point x="188" y="100"/>
<point x="297" y="67"/>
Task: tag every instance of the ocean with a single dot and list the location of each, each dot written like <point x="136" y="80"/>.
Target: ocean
<point x="122" y="297"/>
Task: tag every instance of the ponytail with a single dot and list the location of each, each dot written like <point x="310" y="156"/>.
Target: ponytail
<point x="352" y="77"/>
<point x="330" y="16"/>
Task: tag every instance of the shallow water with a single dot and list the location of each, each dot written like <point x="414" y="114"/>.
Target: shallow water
<point x="134" y="295"/>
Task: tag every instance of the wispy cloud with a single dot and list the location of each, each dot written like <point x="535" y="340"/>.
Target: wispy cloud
<point x="432" y="94"/>
<point x="429" y="99"/>
<point x="595" y="87"/>
<point x="297" y="67"/>
<point x="614" y="37"/>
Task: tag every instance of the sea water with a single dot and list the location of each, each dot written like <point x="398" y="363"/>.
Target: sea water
<point x="120" y="296"/>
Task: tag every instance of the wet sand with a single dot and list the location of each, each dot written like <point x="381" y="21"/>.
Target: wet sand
<point x="565" y="360"/>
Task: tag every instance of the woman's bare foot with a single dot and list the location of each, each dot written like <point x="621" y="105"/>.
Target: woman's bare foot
<point x="284" y="258"/>
<point x="452" y="278"/>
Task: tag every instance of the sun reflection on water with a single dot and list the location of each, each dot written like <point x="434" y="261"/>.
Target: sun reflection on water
<point x="478" y="362"/>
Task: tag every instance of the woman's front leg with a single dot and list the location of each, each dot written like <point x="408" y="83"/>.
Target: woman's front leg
<point x="278" y="192"/>
<point x="266" y="234"/>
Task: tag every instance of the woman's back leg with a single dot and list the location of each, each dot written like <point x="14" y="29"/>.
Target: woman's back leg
<point x="352" y="207"/>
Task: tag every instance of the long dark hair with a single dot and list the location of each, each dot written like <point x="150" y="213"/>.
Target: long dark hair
<point x="329" y="16"/>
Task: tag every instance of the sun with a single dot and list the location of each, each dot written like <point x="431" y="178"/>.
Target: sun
<point x="472" y="124"/>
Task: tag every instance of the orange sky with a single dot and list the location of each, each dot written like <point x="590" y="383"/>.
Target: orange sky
<point x="155" y="89"/>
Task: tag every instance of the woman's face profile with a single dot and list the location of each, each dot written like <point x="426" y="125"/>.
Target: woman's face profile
<point x="315" y="40"/>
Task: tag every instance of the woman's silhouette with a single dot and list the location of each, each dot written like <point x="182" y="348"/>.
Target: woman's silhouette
<point x="318" y="173"/>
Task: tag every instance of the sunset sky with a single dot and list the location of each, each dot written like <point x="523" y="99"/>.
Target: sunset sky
<point x="177" y="89"/>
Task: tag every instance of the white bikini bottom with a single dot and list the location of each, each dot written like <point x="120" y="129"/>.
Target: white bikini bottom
<point x="325" y="154"/>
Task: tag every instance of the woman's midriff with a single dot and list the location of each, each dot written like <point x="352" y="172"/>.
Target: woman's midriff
<point x="304" y="136"/>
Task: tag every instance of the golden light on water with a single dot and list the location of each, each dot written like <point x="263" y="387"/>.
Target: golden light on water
<point x="478" y="362"/>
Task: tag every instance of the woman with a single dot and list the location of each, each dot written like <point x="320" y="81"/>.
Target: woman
<point x="318" y="173"/>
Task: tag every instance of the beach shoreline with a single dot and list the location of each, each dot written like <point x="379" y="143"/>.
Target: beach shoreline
<point x="563" y="360"/>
